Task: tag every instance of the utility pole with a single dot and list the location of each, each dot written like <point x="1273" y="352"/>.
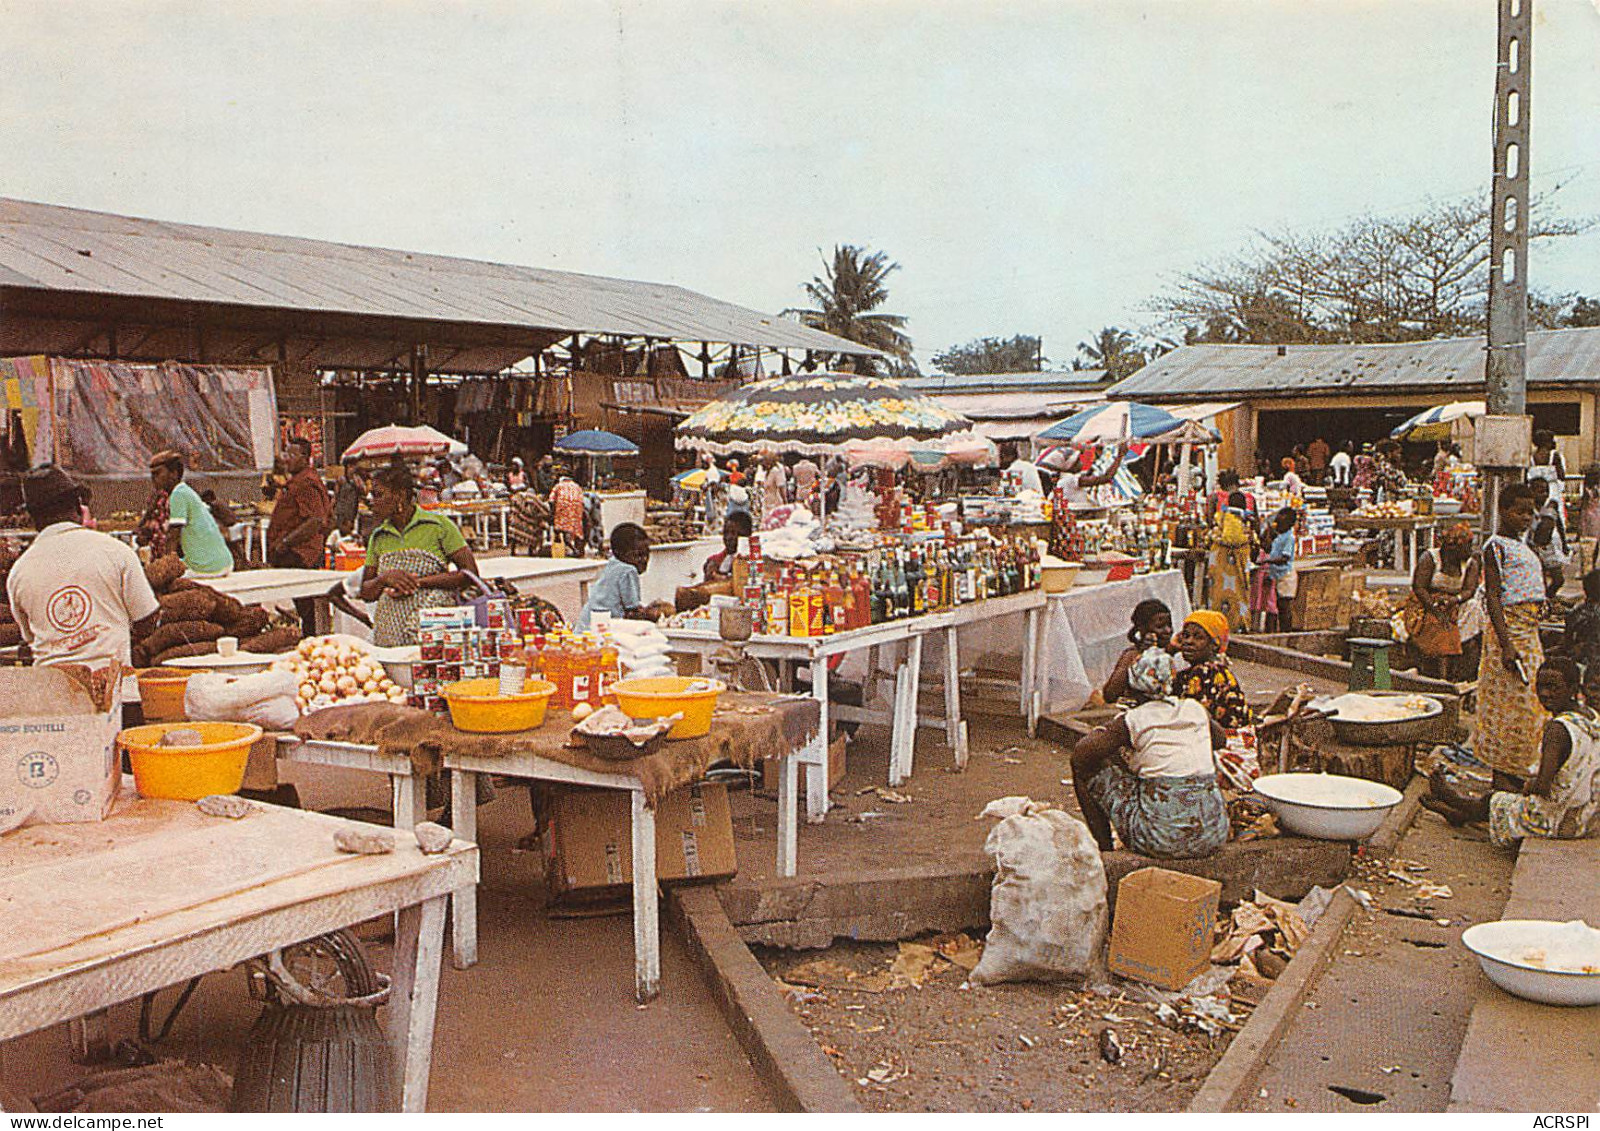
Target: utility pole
<point x="1505" y="367"/>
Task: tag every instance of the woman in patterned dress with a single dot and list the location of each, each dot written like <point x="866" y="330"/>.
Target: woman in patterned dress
<point x="1510" y="717"/>
<point x="1563" y="799"/>
<point x="1209" y="681"/>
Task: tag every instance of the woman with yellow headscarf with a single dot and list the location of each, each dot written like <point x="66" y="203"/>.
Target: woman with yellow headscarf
<point x="1228" y="563"/>
<point x="1209" y="681"/>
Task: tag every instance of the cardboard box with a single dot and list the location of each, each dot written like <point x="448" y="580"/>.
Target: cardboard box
<point x="588" y="838"/>
<point x="1163" y="927"/>
<point x="58" y="748"/>
<point x="838" y="763"/>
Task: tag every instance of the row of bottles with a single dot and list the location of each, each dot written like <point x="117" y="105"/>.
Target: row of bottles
<point x="582" y="665"/>
<point x="889" y="584"/>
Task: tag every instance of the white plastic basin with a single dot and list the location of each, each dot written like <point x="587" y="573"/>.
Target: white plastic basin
<point x="1543" y="961"/>
<point x="1327" y="806"/>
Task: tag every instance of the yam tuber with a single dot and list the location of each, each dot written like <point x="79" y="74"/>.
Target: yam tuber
<point x="178" y="651"/>
<point x="277" y="640"/>
<point x="181" y="632"/>
<point x="191" y="604"/>
<point x="251" y="621"/>
<point x="162" y="572"/>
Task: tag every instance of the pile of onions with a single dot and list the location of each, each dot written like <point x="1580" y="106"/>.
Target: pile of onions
<point x="338" y="669"/>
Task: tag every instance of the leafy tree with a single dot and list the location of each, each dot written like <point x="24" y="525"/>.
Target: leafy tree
<point x="846" y="298"/>
<point x="1585" y="312"/>
<point x="1374" y="279"/>
<point x="1113" y="350"/>
<point x="992" y="355"/>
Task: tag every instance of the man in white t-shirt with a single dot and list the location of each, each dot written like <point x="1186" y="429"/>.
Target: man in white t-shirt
<point x="78" y="596"/>
<point x="1074" y="486"/>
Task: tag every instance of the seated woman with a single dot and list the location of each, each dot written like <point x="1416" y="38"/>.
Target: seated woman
<point x="416" y="559"/>
<point x="1152" y="628"/>
<point x="1563" y="799"/>
<point x="1162" y="796"/>
<point x="1209" y="681"/>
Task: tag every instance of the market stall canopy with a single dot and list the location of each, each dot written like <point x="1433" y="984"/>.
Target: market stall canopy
<point x="596" y="442"/>
<point x="1435" y="423"/>
<point x="817" y="413"/>
<point x="959" y="449"/>
<point x="1114" y="423"/>
<point x="398" y="440"/>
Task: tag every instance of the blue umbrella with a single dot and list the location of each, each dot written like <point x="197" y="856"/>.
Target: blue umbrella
<point x="1112" y="423"/>
<point x="594" y="442"/>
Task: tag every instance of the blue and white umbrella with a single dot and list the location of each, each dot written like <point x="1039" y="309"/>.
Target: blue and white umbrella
<point x="594" y="442"/>
<point x="1435" y="423"/>
<point x="1115" y="423"/>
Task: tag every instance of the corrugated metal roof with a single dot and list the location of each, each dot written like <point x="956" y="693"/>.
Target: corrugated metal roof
<point x="1045" y="379"/>
<point x="1555" y="357"/>
<point x="48" y="247"/>
<point x="1009" y="406"/>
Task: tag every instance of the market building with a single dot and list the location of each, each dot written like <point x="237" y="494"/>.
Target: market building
<point x="1013" y="408"/>
<point x="1265" y="399"/>
<point x="338" y="337"/>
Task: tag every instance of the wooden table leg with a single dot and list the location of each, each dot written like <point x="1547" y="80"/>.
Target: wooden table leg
<point x="788" y="815"/>
<point x="869" y="688"/>
<point x="646" y="924"/>
<point x="464" y="901"/>
<point x="897" y="769"/>
<point x="410" y="800"/>
<point x="414" y="998"/>
<point x="955" y="730"/>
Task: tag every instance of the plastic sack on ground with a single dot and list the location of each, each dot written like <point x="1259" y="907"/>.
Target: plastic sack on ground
<point x="267" y="699"/>
<point x="1047" y="908"/>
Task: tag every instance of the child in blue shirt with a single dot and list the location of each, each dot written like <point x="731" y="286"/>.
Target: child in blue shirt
<point x="1280" y="567"/>
<point x="616" y="590"/>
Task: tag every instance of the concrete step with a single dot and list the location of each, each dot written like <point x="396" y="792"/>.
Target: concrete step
<point x="1520" y="1056"/>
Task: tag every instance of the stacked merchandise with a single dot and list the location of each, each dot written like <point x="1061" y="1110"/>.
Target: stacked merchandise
<point x="642" y="649"/>
<point x="452" y="646"/>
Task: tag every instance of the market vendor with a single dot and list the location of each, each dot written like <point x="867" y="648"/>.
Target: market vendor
<point x="616" y="591"/>
<point x="416" y="559"/>
<point x="199" y="540"/>
<point x="719" y="566"/>
<point x="1161" y="794"/>
<point x="1208" y="680"/>
<point x="1442" y="612"/>
<point x="1562" y="799"/>
<point x="1509" y="714"/>
<point x="78" y="596"/>
<point x="1152" y="628"/>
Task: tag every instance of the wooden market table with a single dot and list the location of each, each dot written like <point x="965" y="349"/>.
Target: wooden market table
<point x="906" y="637"/>
<point x="1405" y="531"/>
<point x="519" y="756"/>
<point x="159" y="893"/>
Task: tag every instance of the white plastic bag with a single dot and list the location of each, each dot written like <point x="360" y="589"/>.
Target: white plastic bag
<point x="266" y="699"/>
<point x="1047" y="908"/>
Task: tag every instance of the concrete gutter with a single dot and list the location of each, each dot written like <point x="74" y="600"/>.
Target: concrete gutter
<point x="779" y="1047"/>
<point x="1228" y="1085"/>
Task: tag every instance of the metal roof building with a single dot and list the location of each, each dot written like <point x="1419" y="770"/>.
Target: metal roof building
<point x="1267" y="398"/>
<point x="82" y="283"/>
<point x="1556" y="358"/>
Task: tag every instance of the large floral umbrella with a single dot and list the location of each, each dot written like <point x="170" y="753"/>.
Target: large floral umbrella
<point x="398" y="440"/>
<point x="818" y="413"/>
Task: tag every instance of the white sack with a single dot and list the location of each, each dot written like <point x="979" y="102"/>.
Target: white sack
<point x="266" y="699"/>
<point x="1047" y="908"/>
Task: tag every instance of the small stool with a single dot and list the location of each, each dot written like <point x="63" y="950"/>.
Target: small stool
<point x="1369" y="664"/>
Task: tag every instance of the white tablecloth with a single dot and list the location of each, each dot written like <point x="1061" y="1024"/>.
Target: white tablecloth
<point x="1086" y="629"/>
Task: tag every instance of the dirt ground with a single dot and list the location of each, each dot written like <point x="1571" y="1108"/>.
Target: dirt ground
<point x="947" y="1046"/>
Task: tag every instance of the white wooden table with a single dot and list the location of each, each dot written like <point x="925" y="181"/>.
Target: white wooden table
<point x="159" y="893"/>
<point x="410" y="807"/>
<point x="906" y="637"/>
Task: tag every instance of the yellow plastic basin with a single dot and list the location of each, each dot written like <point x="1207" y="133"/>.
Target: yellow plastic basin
<point x="476" y="705"/>
<point x="188" y="773"/>
<point x="161" y="694"/>
<point x="668" y="695"/>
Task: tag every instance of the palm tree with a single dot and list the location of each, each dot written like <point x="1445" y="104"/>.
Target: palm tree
<point x="850" y="288"/>
<point x="1112" y="350"/>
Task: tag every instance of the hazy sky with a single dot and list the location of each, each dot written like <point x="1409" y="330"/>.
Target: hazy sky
<point x="1035" y="167"/>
